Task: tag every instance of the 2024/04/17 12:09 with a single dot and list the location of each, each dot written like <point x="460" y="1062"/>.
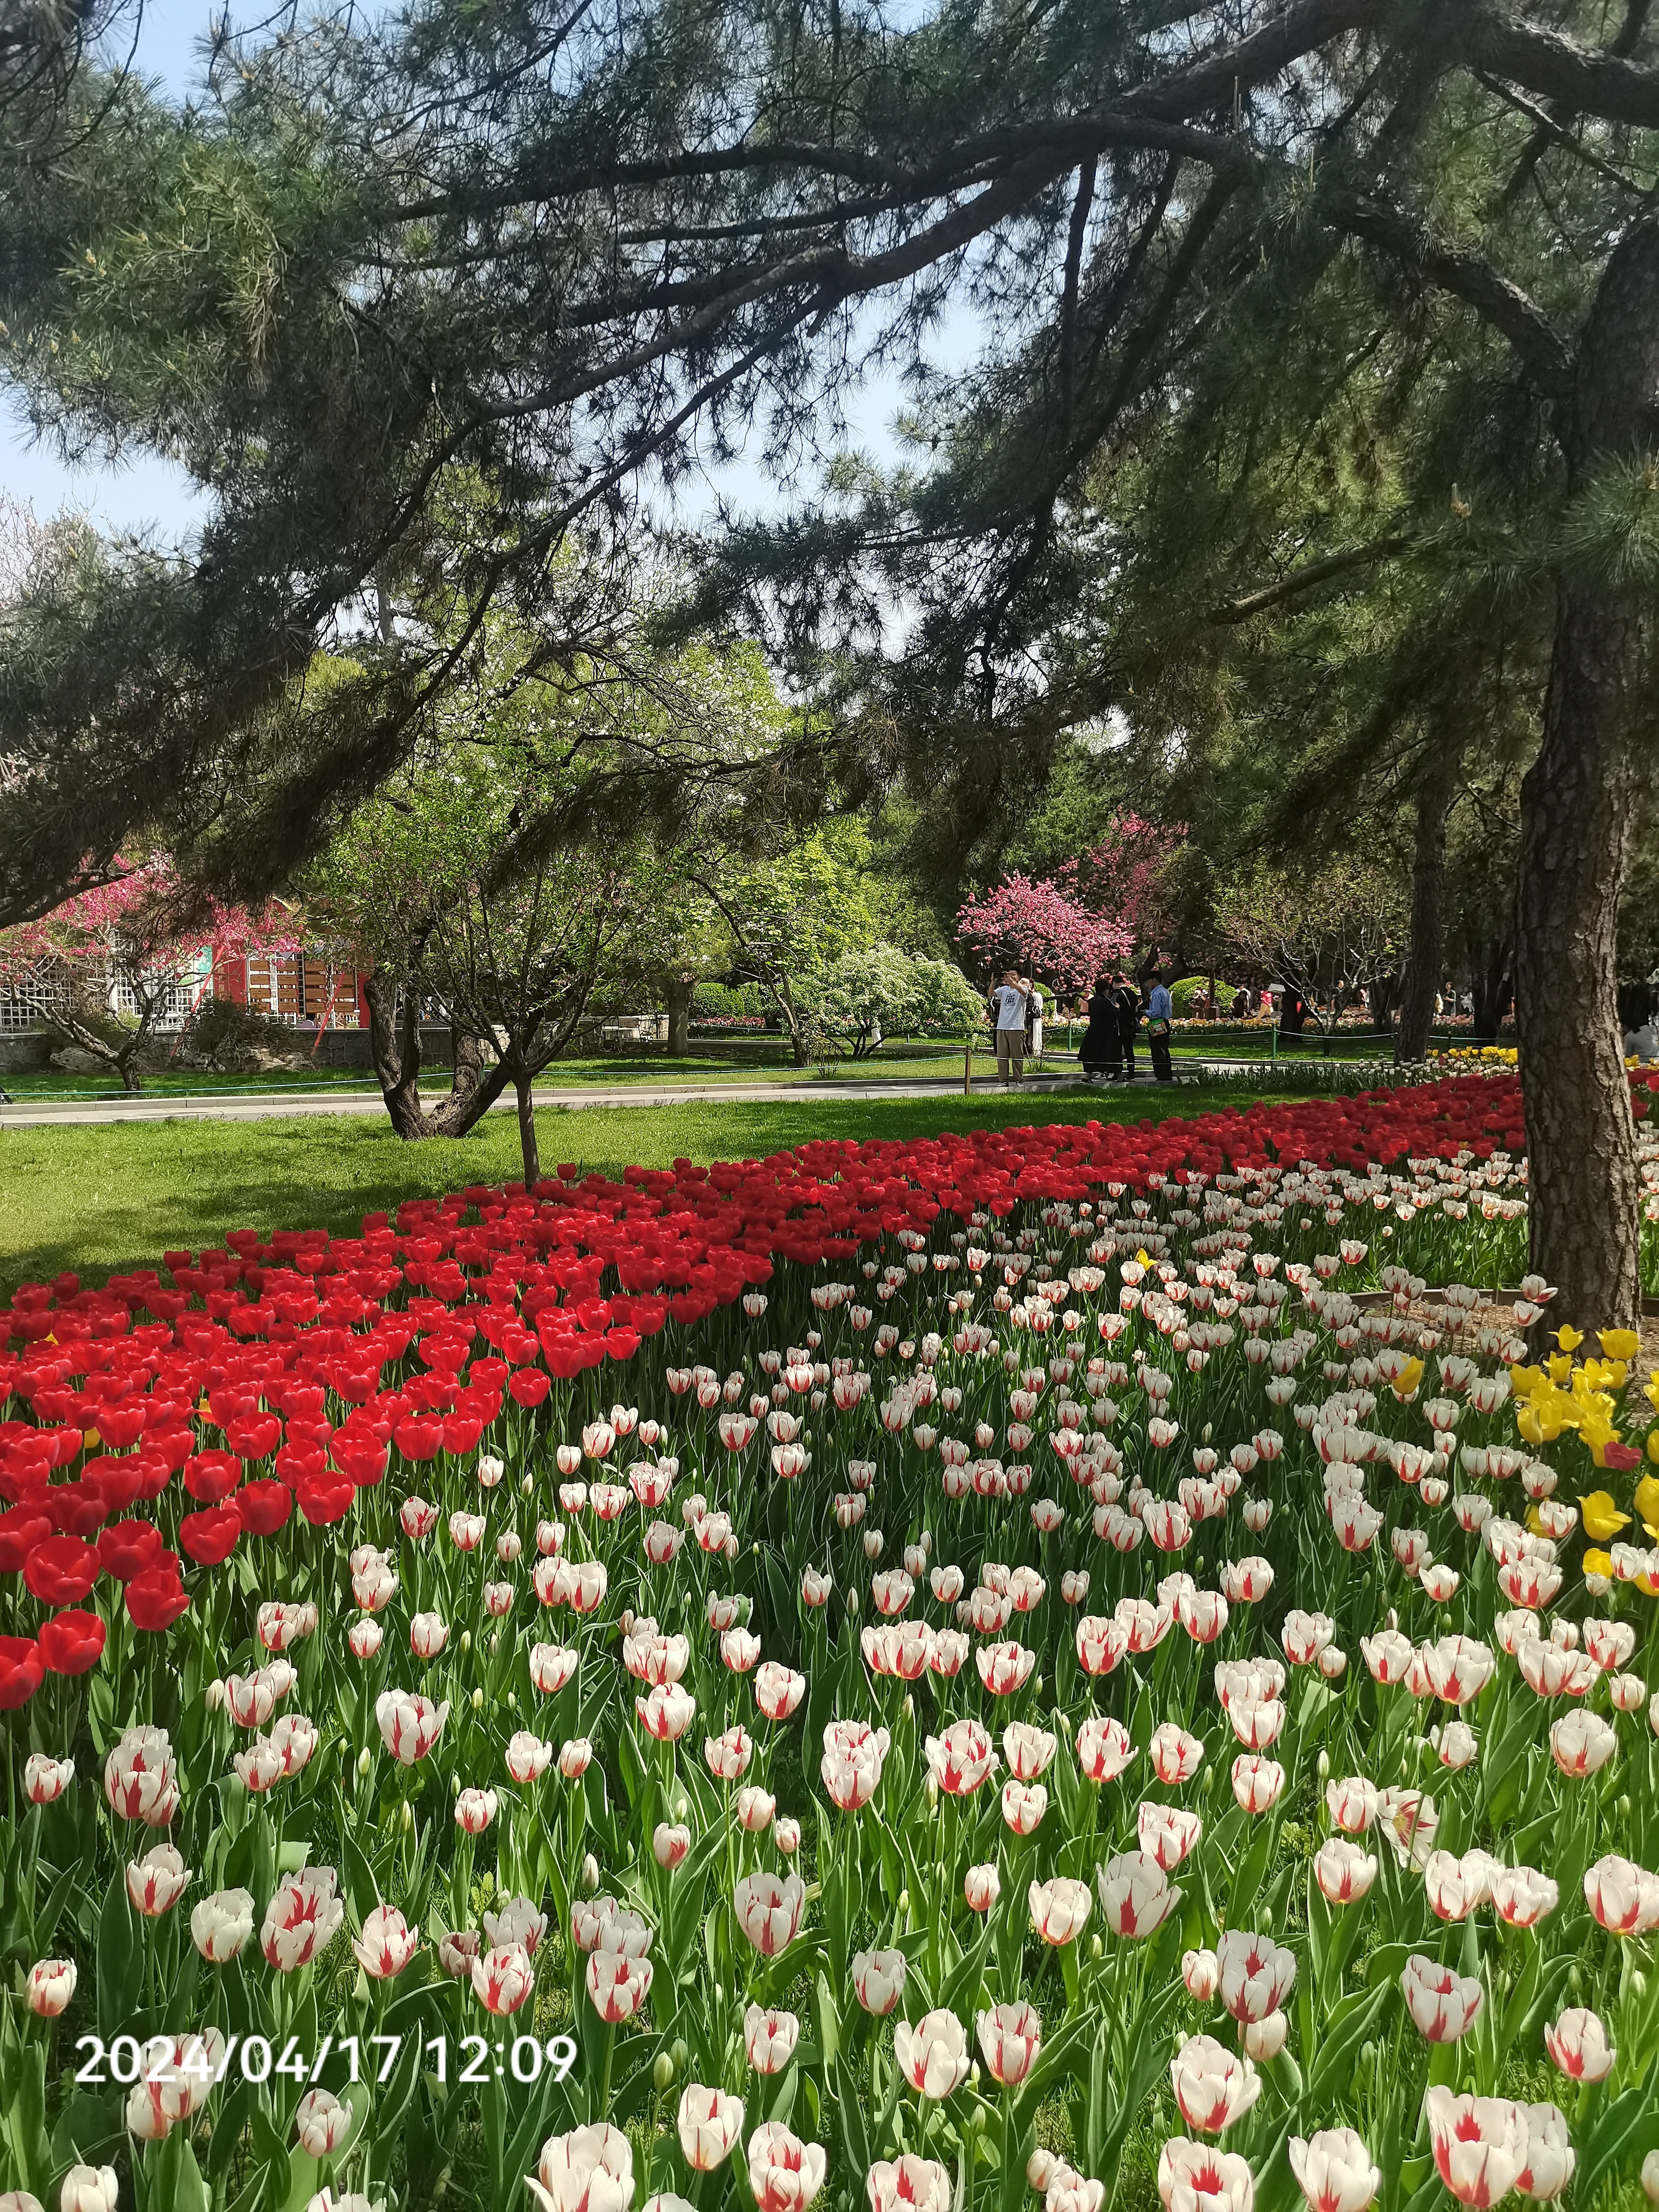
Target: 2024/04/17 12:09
<point x="130" y="2060"/>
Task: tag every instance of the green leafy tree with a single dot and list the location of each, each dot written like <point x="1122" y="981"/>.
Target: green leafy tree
<point x="792" y="917"/>
<point x="866" y="996"/>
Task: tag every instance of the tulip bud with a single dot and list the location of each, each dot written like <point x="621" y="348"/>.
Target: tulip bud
<point x="677" y="2054"/>
<point x="527" y="1486"/>
<point x="495" y="1641"/>
<point x="477" y="1701"/>
<point x="1096" y="1948"/>
<point x="466" y="1639"/>
<point x="590" y="1874"/>
<point x="1324" y="1764"/>
<point x="662" y="2073"/>
<point x="408" y="1816"/>
<point x="365" y="1760"/>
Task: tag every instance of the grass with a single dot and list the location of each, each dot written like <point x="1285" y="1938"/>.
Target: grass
<point x="104" y="1199"/>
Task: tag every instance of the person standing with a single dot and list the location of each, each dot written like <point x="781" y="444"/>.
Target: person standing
<point x="1102" y="1052"/>
<point x="1160" y="1012"/>
<point x="1033" y="1017"/>
<point x="1008" y="1012"/>
<point x="1126" y="1001"/>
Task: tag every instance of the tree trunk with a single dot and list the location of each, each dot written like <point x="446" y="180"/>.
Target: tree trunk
<point x="1436" y="788"/>
<point x="394" y="1042"/>
<point x="1575" y="807"/>
<point x="1494" y="987"/>
<point x="678" y="992"/>
<point x="532" y="1164"/>
<point x="394" y="1046"/>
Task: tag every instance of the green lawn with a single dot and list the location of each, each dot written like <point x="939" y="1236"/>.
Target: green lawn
<point x="104" y="1199"/>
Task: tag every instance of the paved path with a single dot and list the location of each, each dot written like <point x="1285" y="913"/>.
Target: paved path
<point x="268" y="1105"/>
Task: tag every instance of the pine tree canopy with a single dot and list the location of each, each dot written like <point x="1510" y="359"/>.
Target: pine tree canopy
<point x="422" y="300"/>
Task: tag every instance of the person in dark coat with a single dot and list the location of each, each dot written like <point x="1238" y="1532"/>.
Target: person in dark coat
<point x="1126" y="1000"/>
<point x="1102" y="1052"/>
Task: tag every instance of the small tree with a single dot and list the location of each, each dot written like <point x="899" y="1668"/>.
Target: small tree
<point x="1330" y="933"/>
<point x="1130" y="875"/>
<point x="793" y="916"/>
<point x="143" y="936"/>
<point x="867" y="996"/>
<point x="428" y="886"/>
<point x="1044" y="926"/>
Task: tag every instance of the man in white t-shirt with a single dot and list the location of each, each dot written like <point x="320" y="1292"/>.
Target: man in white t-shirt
<point x="1008" y="1012"/>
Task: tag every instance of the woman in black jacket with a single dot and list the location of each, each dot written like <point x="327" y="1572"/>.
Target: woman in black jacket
<point x="1102" y="1052"/>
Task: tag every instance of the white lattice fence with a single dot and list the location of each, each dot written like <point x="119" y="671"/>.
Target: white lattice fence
<point x="27" y="1002"/>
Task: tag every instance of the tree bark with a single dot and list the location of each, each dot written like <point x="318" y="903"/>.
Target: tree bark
<point x="394" y="1034"/>
<point x="1576" y="806"/>
<point x="1436" y="788"/>
<point x="677" y="992"/>
<point x="533" y="1165"/>
<point x="394" y="1046"/>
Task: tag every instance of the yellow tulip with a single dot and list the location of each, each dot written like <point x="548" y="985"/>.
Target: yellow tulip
<point x="1646" y="1500"/>
<point x="1531" y="1428"/>
<point x="1599" y="1563"/>
<point x="1569" y="1338"/>
<point x="1620" y="1343"/>
<point x="1601" y="1517"/>
<point x="1407" y="1382"/>
<point x="1523" y="1380"/>
<point x="1600" y="1375"/>
<point x="1560" y="1366"/>
<point x="1647" y="1585"/>
<point x="90" y="1440"/>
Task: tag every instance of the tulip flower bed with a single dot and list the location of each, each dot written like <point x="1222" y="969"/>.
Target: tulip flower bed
<point x="934" y="1676"/>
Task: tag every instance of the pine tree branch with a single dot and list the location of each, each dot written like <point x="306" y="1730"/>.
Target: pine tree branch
<point x="1307" y="578"/>
<point x="1543" y="352"/>
<point x="1575" y="78"/>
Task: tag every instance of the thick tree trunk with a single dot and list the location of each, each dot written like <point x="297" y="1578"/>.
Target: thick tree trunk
<point x="1576" y="804"/>
<point x="394" y="1046"/>
<point x="677" y="994"/>
<point x="394" y="1043"/>
<point x="1436" y="788"/>
<point x="532" y="1164"/>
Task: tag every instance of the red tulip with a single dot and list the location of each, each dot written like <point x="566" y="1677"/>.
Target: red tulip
<point x="72" y="1643"/>
<point x="22" y="1670"/>
<point x="254" y="1436"/>
<point x="264" y="1507"/>
<point x="20" y="1530"/>
<point x="361" y="1459"/>
<point x="155" y="1599"/>
<point x="209" y="1536"/>
<point x="461" y="1433"/>
<point x="210" y="1476"/>
<point x="418" y="1436"/>
<point x="129" y="1548"/>
<point x="62" y="1570"/>
<point x="323" y="1503"/>
<point x="529" y="1386"/>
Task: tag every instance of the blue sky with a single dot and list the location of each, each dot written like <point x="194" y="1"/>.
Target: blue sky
<point x="148" y="494"/>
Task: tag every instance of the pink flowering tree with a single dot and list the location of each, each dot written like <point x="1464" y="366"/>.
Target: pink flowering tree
<point x="1130" y="873"/>
<point x="140" y="932"/>
<point x="1043" y="927"/>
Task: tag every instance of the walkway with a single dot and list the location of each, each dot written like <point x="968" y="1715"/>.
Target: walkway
<point x="270" y="1105"/>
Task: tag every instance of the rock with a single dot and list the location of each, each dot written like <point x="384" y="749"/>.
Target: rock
<point x="75" y="1060"/>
